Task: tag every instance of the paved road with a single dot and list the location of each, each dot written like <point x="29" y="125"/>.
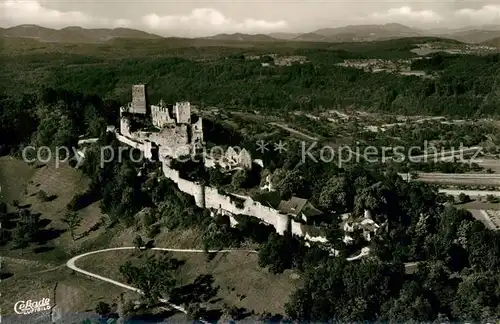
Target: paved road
<point x="294" y="131"/>
<point x="484" y="217"/>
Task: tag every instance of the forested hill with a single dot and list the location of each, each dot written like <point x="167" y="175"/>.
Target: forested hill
<point x="222" y="76"/>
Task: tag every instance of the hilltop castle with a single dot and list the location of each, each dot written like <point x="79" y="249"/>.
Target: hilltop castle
<point x="174" y="130"/>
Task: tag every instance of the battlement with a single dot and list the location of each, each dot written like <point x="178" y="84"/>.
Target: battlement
<point x="160" y="116"/>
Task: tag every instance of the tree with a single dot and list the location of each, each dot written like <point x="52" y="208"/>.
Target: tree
<point x="155" y="277"/>
<point x="239" y="179"/>
<point x="20" y="237"/>
<point x="72" y="220"/>
<point x="463" y="198"/>
<point x="336" y="194"/>
<point x="27" y="228"/>
<point x="337" y="290"/>
<point x="102" y="308"/>
<point x="491" y="199"/>
<point x="411" y="304"/>
<point x="42" y="195"/>
<point x="281" y="252"/>
<point x="288" y="183"/>
<point x="217" y="177"/>
<point x="138" y="242"/>
<point x="476" y="298"/>
<point x="450" y="199"/>
<point x="219" y="235"/>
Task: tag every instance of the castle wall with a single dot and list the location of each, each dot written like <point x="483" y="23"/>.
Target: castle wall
<point x="124" y="126"/>
<point x="209" y="197"/>
<point x="160" y="116"/>
<point x="131" y="142"/>
<point x="172" y="141"/>
<point x="296" y="228"/>
<point x="186" y="186"/>
<point x="171" y="136"/>
<point x="215" y="200"/>
<point x="320" y="239"/>
<point x="148" y="148"/>
<point x="197" y="133"/>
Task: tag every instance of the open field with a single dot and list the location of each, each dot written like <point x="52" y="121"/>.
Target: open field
<point x="69" y="291"/>
<point x="242" y="282"/>
<point x="460" y="179"/>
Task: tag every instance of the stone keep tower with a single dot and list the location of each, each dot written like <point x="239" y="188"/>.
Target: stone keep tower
<point x="139" y="100"/>
<point x="183" y="112"/>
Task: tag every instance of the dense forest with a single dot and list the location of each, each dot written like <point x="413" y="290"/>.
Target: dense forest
<point x="465" y="86"/>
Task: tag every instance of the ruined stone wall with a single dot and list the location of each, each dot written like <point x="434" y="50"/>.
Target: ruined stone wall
<point x="209" y="197"/>
<point x="197" y="133"/>
<point x="186" y="186"/>
<point x="172" y="141"/>
<point x="215" y="200"/>
<point x="130" y="142"/>
<point x="124" y="126"/>
<point x="296" y="228"/>
<point x="160" y="116"/>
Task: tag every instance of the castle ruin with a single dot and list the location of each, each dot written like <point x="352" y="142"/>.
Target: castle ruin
<point x="174" y="129"/>
<point x="175" y="133"/>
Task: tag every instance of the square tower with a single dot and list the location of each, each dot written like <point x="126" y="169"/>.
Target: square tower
<point x="139" y="100"/>
<point x="183" y="112"/>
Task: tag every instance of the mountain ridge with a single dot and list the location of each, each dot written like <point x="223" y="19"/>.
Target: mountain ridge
<point x="350" y="33"/>
<point x="74" y="34"/>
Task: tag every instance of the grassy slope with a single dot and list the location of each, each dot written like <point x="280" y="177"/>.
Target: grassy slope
<point x="242" y="282"/>
<point x="36" y="274"/>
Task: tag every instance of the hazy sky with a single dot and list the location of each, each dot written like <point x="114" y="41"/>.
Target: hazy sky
<point x="201" y="18"/>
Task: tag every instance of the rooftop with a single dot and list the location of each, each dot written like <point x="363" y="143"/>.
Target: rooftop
<point x="293" y="206"/>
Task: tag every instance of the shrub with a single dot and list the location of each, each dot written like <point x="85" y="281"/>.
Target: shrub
<point x="42" y="195"/>
<point x="138" y="242"/>
<point x="154" y="230"/>
<point x="102" y="308"/>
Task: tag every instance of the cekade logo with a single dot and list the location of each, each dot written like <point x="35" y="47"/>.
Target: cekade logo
<point x="29" y="306"/>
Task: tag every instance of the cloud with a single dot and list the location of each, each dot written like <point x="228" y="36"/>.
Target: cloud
<point x="405" y="14"/>
<point x="488" y="14"/>
<point x="207" y="21"/>
<point x="17" y="12"/>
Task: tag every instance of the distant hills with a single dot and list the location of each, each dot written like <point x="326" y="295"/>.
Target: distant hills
<point x="243" y="37"/>
<point x="73" y="34"/>
<point x="493" y="42"/>
<point x="357" y="33"/>
<point x="353" y="33"/>
<point x="474" y="36"/>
